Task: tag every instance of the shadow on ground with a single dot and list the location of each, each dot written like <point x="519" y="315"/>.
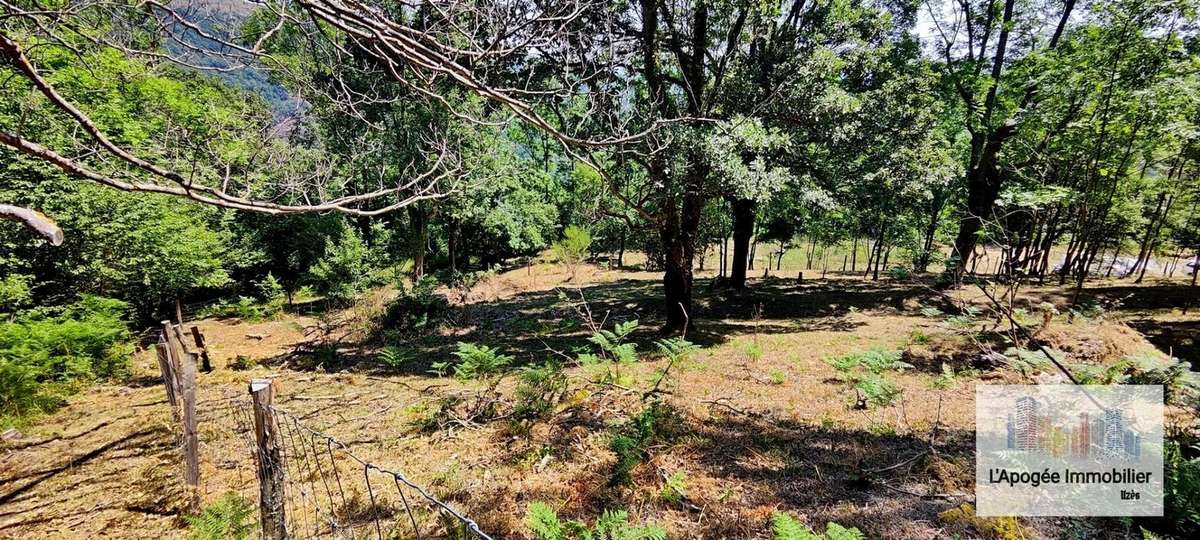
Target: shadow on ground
<point x="535" y="326"/>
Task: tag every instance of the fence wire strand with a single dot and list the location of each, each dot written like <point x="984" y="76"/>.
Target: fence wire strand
<point x="330" y="492"/>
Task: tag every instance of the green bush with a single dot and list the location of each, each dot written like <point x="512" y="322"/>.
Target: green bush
<point x="538" y="392"/>
<point x="339" y="275"/>
<point x="613" y="352"/>
<point x="899" y="273"/>
<point x="1182" y="490"/>
<point x="14" y="292"/>
<point x="230" y="518"/>
<point x="611" y="525"/>
<point x="414" y="308"/>
<point x="573" y="247"/>
<point x="48" y="353"/>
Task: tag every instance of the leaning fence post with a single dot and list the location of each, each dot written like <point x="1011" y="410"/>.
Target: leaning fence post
<point x="270" y="470"/>
<point x="191" y="437"/>
<point x="175" y="353"/>
<point x="168" y="375"/>
<point x="205" y="363"/>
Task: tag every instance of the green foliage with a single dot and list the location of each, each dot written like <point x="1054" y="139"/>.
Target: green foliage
<point x="394" y="357"/>
<point x="946" y="379"/>
<point x="338" y="275"/>
<point x="538" y="391"/>
<point x="631" y="440"/>
<point x="1029" y="362"/>
<point x="266" y="304"/>
<point x="674" y="488"/>
<point x="573" y="247"/>
<point x="785" y="527"/>
<point x="229" y="518"/>
<point x="47" y="353"/>
<point x="613" y="351"/>
<point x="414" y="309"/>
<point x="545" y="524"/>
<point x="1182" y="490"/>
<point x="899" y="273"/>
<point x="473" y="362"/>
<point x="14" y="292"/>
<point x="864" y="371"/>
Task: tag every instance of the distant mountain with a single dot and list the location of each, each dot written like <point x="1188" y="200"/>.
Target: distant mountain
<point x="224" y="18"/>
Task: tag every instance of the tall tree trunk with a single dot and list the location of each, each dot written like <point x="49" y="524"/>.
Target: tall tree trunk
<point x="1144" y="245"/>
<point x="854" y="255"/>
<point x="420" y="223"/>
<point x="743" y="230"/>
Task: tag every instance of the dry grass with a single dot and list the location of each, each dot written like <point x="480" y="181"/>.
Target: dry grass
<point x="762" y="423"/>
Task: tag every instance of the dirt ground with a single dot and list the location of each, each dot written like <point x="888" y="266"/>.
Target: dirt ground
<point x="760" y="422"/>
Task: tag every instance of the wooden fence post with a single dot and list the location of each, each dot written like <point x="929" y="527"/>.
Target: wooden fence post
<point x="270" y="469"/>
<point x="191" y="437"/>
<point x="164" y="366"/>
<point x="205" y="363"/>
<point x="175" y="352"/>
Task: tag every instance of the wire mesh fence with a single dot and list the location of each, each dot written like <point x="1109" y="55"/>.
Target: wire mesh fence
<point x="308" y="484"/>
<point x="328" y="491"/>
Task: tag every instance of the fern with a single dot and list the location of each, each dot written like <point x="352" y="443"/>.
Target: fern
<point x="474" y="362"/>
<point x="785" y="527"/>
<point x="545" y="524"/>
<point x="833" y="531"/>
<point x="228" y="518"/>
<point x="394" y="357"/>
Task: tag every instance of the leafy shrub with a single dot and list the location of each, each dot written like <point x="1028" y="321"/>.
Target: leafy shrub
<point x="573" y="247"/>
<point x="474" y="362"/>
<point x="339" y="274"/>
<point x="611" y="525"/>
<point x="675" y="488"/>
<point x="14" y="292"/>
<point x="242" y="363"/>
<point x="1029" y="362"/>
<point x="900" y="273"/>
<point x="394" y="357"/>
<point x="47" y="353"/>
<point x="538" y="392"/>
<point x="414" y="308"/>
<point x="245" y="308"/>
<point x="231" y="517"/>
<point x="785" y="527"/>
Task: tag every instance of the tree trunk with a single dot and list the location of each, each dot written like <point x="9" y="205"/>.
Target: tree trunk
<point x="854" y="256"/>
<point x="452" y="247"/>
<point x="743" y="230"/>
<point x="1144" y="245"/>
<point x="679" y="243"/>
<point x="621" y="251"/>
<point x="420" y="240"/>
<point x="983" y="187"/>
